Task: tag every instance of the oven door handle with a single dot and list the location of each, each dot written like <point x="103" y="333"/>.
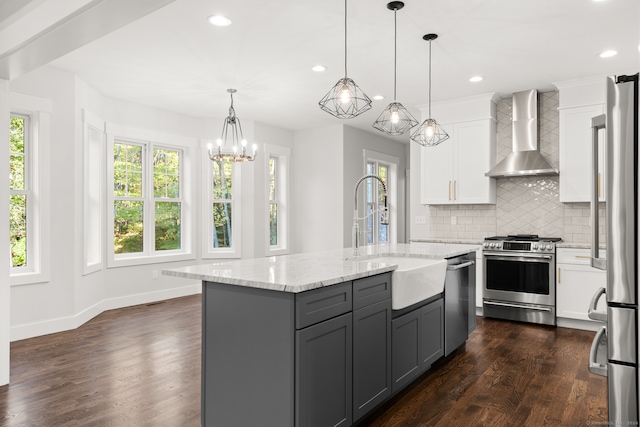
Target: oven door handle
<point x="520" y="257"/>
<point x="528" y="307"/>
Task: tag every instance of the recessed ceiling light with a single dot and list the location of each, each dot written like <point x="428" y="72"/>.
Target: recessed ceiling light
<point x="607" y="54"/>
<point x="219" y="20"/>
<point x="319" y="68"/>
<point x="378" y="97"/>
<point x="475" y="79"/>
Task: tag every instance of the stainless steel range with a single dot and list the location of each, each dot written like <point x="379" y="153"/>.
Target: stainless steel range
<point x="520" y="278"/>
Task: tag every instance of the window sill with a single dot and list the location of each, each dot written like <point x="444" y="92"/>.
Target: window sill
<point x="226" y="254"/>
<point x="27" y="278"/>
<point x="130" y="261"/>
<point x="277" y="252"/>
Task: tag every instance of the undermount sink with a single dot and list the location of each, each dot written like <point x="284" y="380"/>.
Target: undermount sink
<point x="415" y="279"/>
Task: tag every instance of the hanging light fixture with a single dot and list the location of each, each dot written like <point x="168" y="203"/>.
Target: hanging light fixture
<point x="429" y="133"/>
<point x="395" y="119"/>
<point x="231" y="146"/>
<point x="345" y="100"/>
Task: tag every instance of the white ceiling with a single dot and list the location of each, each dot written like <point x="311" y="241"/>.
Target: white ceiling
<point x="175" y="60"/>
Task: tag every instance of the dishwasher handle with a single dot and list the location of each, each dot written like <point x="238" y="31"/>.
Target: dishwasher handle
<point x="455" y="267"/>
<point x="598" y="341"/>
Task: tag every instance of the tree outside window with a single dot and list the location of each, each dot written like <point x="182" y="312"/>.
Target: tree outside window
<point x="128" y="224"/>
<point x="19" y="190"/>
<point x="376" y="232"/>
<point x="132" y="200"/>
<point x="166" y="191"/>
<point x="273" y="201"/>
<point x="222" y="204"/>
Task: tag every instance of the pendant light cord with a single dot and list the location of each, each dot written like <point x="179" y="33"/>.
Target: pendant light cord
<point x="429" y="78"/>
<point x="395" y="50"/>
<point x="345" y="39"/>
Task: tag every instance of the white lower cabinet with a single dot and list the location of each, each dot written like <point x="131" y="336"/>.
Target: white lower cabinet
<point x="576" y="283"/>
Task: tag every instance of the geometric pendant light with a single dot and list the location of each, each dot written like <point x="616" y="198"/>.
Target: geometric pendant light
<point x="429" y="133"/>
<point x="345" y="100"/>
<point x="395" y="119"/>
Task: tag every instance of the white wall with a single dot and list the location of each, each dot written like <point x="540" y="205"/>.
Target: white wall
<point x="355" y="142"/>
<point x="35" y="303"/>
<point x="4" y="233"/>
<point x="70" y="298"/>
<point x="318" y="178"/>
<point x="416" y="231"/>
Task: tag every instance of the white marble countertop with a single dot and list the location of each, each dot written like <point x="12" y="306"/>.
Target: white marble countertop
<point x="302" y="272"/>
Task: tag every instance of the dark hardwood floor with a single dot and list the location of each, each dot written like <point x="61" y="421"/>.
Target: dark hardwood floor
<point x="140" y="366"/>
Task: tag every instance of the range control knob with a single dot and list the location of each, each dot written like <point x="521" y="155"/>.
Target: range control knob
<point x="499" y="245"/>
<point x="535" y="246"/>
<point x="549" y="247"/>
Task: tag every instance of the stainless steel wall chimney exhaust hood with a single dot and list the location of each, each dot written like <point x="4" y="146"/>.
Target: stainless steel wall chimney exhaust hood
<point x="525" y="159"/>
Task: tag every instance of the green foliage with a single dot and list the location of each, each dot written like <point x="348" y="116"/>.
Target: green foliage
<point x="128" y="226"/>
<point x="273" y="224"/>
<point x="168" y="216"/>
<point x="222" y="209"/>
<point x="17" y="202"/>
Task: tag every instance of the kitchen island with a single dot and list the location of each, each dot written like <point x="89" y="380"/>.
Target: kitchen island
<point x="311" y="339"/>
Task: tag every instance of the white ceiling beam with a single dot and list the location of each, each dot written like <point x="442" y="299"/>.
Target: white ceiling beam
<point x="86" y="24"/>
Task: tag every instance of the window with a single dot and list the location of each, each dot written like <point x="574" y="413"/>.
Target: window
<point x="221" y="209"/>
<point x="273" y="202"/>
<point x="149" y="217"/>
<point x="386" y="167"/>
<point x="29" y="124"/>
<point x="20" y="193"/>
<point x="376" y="232"/>
<point x="222" y="204"/>
<point x="277" y="192"/>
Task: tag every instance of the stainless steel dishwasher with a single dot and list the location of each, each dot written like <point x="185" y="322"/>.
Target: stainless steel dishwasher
<point x="459" y="301"/>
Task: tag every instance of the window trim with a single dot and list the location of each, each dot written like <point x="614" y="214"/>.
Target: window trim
<point x="392" y="187"/>
<point x="283" y="154"/>
<point x="150" y="140"/>
<point x="93" y="171"/>
<point x="208" y="251"/>
<point x="38" y="210"/>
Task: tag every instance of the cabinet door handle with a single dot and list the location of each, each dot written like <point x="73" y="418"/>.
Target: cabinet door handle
<point x="559" y="276"/>
<point x="599" y="185"/>
<point x="583" y="256"/>
<point x="455" y="195"/>
<point x="449" y="187"/>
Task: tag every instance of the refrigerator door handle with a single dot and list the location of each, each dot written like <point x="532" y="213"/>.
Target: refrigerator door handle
<point x="599" y="341"/>
<point x="597" y="123"/>
<point x="593" y="313"/>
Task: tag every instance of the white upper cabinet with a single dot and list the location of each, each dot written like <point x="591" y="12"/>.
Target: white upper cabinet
<point x="453" y="171"/>
<point x="580" y="100"/>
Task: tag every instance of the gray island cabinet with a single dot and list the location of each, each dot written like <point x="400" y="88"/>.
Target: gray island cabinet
<point x="315" y="358"/>
<point x="312" y="339"/>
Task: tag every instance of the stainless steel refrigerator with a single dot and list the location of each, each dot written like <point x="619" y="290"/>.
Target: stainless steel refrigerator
<point x="614" y="352"/>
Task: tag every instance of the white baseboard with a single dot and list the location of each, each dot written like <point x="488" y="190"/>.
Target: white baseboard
<point x="36" y="329"/>
<point x="587" y="325"/>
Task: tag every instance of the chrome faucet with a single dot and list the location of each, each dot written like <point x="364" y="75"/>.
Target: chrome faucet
<point x="384" y="212"/>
